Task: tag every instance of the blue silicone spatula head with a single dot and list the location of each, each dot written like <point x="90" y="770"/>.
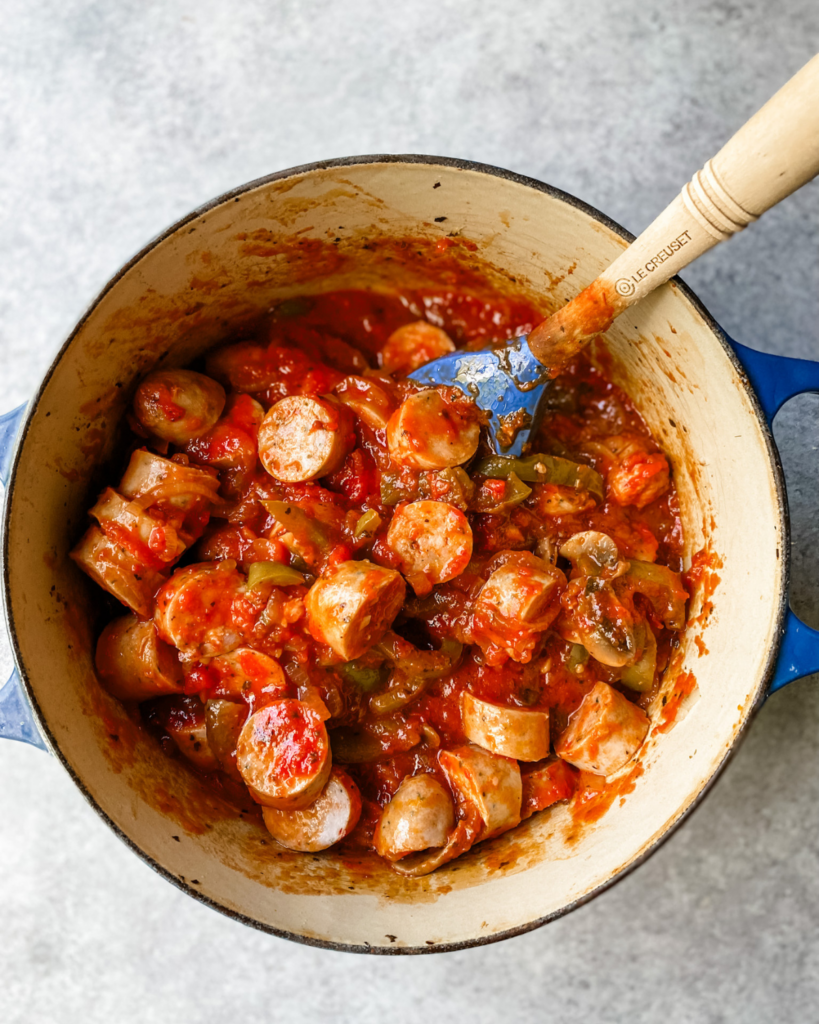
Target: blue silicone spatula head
<point x="505" y="381"/>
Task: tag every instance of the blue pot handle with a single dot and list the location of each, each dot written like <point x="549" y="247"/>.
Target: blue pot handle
<point x="776" y="379"/>
<point x="16" y="719"/>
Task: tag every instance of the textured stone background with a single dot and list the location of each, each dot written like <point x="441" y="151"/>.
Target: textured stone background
<point x="115" y="119"/>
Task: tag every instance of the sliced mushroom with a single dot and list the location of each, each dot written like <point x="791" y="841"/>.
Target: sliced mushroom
<point x="304" y="437"/>
<point x="604" y="733"/>
<point x="194" y="609"/>
<point x="134" y="664"/>
<point x="367" y="400"/>
<point x="178" y="405"/>
<point x="591" y="552"/>
<point x="489" y="782"/>
<point x="351" y="609"/>
<point x="414" y="345"/>
<point x="420" y="816"/>
<point x="433" y="541"/>
<point x="332" y="816"/>
<point x="284" y="755"/>
<point x="250" y="676"/>
<point x="512" y="732"/>
<point x="596" y="618"/>
<point x="118" y="570"/>
<point x="430" y="432"/>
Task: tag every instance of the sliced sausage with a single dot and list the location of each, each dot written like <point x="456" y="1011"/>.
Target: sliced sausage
<point x="414" y="345"/>
<point x="547" y="784"/>
<point x="352" y="609"/>
<point x="512" y="732"/>
<point x="429" y="431"/>
<point x="183" y="718"/>
<point x="155" y="543"/>
<point x="178" y="405"/>
<point x="118" y="570"/>
<point x="332" y="816"/>
<point x="224" y="721"/>
<point x="284" y="755"/>
<point x="245" y="366"/>
<point x="193" y="609"/>
<point x="433" y="541"/>
<point x="304" y="437"/>
<point x="250" y="676"/>
<point x="134" y="664"/>
<point x="604" y="733"/>
<point x="517" y="602"/>
<point x="489" y="782"/>
<point x="367" y="400"/>
<point x="420" y="816"/>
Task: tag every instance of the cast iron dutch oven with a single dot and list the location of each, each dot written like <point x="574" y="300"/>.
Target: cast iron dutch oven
<point x="708" y="401"/>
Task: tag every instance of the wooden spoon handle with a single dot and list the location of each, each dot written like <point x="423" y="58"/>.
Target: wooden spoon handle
<point x="772" y="155"/>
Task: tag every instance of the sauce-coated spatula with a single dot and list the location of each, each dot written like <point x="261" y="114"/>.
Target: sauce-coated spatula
<point x="772" y="155"/>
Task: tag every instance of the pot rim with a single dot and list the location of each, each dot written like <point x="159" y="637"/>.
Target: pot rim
<point x="781" y="599"/>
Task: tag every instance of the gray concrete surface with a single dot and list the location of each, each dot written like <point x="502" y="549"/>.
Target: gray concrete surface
<point x="116" y="118"/>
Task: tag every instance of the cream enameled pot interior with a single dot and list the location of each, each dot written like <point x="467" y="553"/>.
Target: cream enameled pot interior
<point x="317" y="229"/>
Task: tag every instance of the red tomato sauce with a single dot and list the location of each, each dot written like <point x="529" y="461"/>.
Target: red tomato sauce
<point x="390" y="714"/>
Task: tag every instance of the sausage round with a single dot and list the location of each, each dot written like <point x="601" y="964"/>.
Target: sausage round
<point x="489" y="782"/>
<point x="367" y="400"/>
<point x="414" y="345"/>
<point x="511" y="732"/>
<point x="118" y="571"/>
<point x="351" y="610"/>
<point x="224" y="721"/>
<point x="430" y="432"/>
<point x="178" y="405"/>
<point x="332" y="816"/>
<point x="249" y="675"/>
<point x="433" y="541"/>
<point x="420" y="816"/>
<point x="193" y="609"/>
<point x="304" y="437"/>
<point x="604" y="733"/>
<point x="134" y="664"/>
<point x="284" y="755"/>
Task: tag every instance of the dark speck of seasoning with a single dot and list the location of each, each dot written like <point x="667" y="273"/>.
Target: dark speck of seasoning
<point x="440" y="220"/>
<point x="430" y="942"/>
<point x="176" y="838"/>
<point x="673" y="424"/>
<point x="48" y="414"/>
<point x="437" y="184"/>
<point x="114" y="737"/>
<point x="392" y="938"/>
<point x="195" y="881"/>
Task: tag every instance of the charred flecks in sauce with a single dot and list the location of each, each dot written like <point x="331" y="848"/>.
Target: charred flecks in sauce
<point x="330" y="565"/>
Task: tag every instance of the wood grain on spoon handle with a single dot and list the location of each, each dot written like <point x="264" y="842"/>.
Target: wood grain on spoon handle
<point x="772" y="155"/>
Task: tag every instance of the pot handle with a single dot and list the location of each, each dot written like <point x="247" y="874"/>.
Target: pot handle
<point x="775" y="379"/>
<point x="16" y="718"/>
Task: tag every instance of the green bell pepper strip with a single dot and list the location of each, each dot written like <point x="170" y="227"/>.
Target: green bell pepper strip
<point x="544" y="469"/>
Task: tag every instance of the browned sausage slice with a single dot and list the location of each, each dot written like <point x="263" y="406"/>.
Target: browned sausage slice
<point x="367" y="400"/>
<point x="134" y="664"/>
<point x="332" y="816"/>
<point x="304" y="437"/>
<point x="433" y="541"/>
<point x="154" y="543"/>
<point x="178" y="405"/>
<point x="183" y="718"/>
<point x="604" y="733"/>
<point x="194" y="609"/>
<point x="351" y="610"/>
<point x="224" y="721"/>
<point x="284" y="755"/>
<point x="512" y="732"/>
<point x="118" y="571"/>
<point x="489" y="782"/>
<point x="420" y="816"/>
<point x="414" y="345"/>
<point x="430" y="432"/>
<point x="250" y="676"/>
